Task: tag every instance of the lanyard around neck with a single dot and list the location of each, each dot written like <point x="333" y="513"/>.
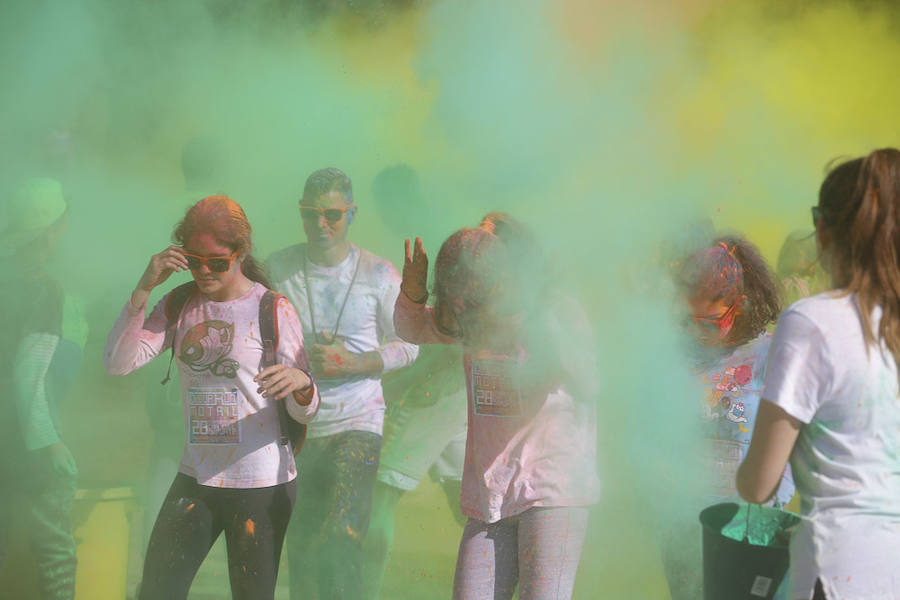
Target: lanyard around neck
<point x="309" y="298"/>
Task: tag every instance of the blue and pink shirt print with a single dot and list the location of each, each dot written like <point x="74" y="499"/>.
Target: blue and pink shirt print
<point x="732" y="388"/>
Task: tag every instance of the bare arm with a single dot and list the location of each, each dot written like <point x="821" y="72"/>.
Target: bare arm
<point x="394" y="353"/>
<point x="773" y="440"/>
<point x="413" y="320"/>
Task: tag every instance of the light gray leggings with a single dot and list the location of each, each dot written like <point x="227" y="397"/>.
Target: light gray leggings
<point x="539" y="549"/>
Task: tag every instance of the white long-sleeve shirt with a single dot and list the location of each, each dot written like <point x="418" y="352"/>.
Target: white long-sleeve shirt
<point x="366" y="325"/>
<point x="232" y="431"/>
<point x="30" y="369"/>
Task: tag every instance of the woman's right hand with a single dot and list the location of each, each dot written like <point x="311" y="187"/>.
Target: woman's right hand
<point x="162" y="265"/>
<point x="415" y="272"/>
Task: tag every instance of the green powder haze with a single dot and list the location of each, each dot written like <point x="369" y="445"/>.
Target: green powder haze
<point x="609" y="127"/>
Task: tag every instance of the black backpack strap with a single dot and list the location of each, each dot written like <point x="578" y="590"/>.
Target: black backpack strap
<point x="175" y="302"/>
<point x="292" y="432"/>
<point x="268" y="326"/>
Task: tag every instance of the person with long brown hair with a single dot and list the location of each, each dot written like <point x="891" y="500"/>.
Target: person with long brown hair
<point x="530" y="369"/>
<point x="237" y="472"/>
<point x="831" y="401"/>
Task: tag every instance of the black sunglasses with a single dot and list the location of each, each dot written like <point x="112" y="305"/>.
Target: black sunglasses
<point x="817" y="215"/>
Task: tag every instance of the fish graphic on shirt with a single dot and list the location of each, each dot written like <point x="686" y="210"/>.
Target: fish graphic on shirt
<point x="206" y="346"/>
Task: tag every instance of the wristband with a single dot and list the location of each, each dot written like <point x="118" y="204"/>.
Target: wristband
<point x="422" y="301"/>
<point x="300" y="396"/>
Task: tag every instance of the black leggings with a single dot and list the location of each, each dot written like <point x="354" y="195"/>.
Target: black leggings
<point x="192" y="517"/>
<point x="819" y="593"/>
<point x="337" y="476"/>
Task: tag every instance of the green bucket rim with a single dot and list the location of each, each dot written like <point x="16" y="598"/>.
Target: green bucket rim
<point x="721" y="507"/>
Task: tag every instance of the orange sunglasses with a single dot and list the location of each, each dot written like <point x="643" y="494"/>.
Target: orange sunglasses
<point x="218" y="264"/>
<point x="723" y="323"/>
<point x="332" y="215"/>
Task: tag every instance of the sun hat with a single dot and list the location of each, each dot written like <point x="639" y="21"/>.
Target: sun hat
<point x="34" y="206"/>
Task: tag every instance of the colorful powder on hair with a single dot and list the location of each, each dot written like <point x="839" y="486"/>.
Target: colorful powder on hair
<point x="608" y="127"/>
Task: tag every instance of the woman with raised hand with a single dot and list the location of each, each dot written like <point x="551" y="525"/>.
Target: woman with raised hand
<point x="530" y="467"/>
<point x="830" y="397"/>
<point x="237" y="473"/>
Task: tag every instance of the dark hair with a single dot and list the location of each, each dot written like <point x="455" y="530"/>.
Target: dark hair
<point x="500" y="261"/>
<point x="201" y="160"/>
<point x="501" y="265"/>
<point x="396" y="187"/>
<point x="797" y="255"/>
<point x="467" y="275"/>
<point x="762" y="304"/>
<point x="328" y="180"/>
<point x="860" y="202"/>
<point x="225" y="219"/>
<point x="400" y="200"/>
<point x="731" y="268"/>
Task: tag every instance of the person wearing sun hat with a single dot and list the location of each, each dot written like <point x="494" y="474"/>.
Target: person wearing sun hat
<point x="40" y="355"/>
<point x="36" y="210"/>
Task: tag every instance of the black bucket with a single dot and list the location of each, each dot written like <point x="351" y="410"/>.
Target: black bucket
<point x="738" y="566"/>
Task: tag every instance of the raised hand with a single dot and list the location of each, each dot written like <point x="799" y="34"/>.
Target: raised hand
<point x="162" y="265"/>
<point x="415" y="272"/>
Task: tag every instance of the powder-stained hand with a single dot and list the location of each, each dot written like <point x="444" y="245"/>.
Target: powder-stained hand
<point x="331" y="360"/>
<point x="415" y="272"/>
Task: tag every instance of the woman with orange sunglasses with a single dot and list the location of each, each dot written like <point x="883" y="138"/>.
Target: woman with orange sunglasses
<point x="237" y="474"/>
<point x="732" y="297"/>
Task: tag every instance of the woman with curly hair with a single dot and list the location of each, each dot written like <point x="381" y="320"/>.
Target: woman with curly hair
<point x="732" y="297"/>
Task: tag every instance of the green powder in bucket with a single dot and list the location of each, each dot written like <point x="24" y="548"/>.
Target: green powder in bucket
<point x="758" y="527"/>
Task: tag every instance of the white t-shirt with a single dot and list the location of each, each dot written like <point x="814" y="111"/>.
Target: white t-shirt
<point x="846" y="461"/>
<point x="233" y="433"/>
<point x="366" y="325"/>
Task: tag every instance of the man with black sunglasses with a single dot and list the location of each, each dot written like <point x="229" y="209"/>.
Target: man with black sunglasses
<point x="345" y="297"/>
